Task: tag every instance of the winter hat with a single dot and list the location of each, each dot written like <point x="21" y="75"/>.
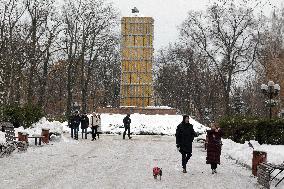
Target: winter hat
<point x="183" y="117"/>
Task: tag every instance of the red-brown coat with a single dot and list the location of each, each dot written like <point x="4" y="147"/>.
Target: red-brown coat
<point x="214" y="146"/>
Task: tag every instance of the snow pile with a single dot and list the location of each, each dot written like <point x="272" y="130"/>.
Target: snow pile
<point x="2" y="137"/>
<point x="36" y="129"/>
<point x="142" y="124"/>
<point x="242" y="153"/>
<point x="113" y="123"/>
<point x="147" y="124"/>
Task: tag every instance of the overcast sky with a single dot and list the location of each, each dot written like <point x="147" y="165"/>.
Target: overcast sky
<point x="168" y="14"/>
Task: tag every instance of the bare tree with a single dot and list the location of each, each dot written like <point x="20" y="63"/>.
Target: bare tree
<point x="184" y="81"/>
<point x="88" y="34"/>
<point x="35" y="28"/>
<point x="11" y="12"/>
<point x="228" y="35"/>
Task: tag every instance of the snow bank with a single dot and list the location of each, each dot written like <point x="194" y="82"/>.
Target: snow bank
<point x="151" y="124"/>
<point x="113" y="123"/>
<point x="243" y="153"/>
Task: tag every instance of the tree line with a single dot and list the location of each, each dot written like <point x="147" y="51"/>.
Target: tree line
<point x="216" y="67"/>
<point x="55" y="55"/>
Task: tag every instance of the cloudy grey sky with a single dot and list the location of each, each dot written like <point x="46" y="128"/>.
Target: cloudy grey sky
<point x="168" y="14"/>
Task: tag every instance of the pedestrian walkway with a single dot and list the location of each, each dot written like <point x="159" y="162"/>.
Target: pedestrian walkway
<point x="111" y="162"/>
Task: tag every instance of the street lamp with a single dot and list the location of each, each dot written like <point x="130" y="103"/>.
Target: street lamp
<point x="271" y="90"/>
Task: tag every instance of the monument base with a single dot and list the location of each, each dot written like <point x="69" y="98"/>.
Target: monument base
<point x="140" y="110"/>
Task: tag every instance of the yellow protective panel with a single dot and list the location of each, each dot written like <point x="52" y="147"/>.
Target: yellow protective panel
<point x="141" y="90"/>
<point x="143" y="66"/>
<point x="137" y="50"/>
<point x="134" y="78"/>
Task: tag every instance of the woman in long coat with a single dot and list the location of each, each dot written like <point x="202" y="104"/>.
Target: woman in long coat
<point x="99" y="129"/>
<point x="214" y="146"/>
<point x="94" y="125"/>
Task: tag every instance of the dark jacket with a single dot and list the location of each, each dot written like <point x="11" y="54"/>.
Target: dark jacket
<point x="184" y="137"/>
<point x="75" y="121"/>
<point x="214" y="146"/>
<point x="84" y="122"/>
<point x="127" y="121"/>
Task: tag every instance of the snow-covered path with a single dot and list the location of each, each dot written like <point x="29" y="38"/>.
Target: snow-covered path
<point x="111" y="162"/>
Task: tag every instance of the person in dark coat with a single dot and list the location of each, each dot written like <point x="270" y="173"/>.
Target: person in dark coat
<point x="74" y="124"/>
<point x="184" y="138"/>
<point x="71" y="125"/>
<point x="84" y="124"/>
<point x="213" y="145"/>
<point x="126" y="122"/>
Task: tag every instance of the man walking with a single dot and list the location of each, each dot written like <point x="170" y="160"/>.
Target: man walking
<point x="84" y="124"/>
<point x="75" y="122"/>
<point x="184" y="138"/>
<point x="126" y="122"/>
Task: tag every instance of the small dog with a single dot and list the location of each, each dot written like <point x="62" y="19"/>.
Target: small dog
<point x="157" y="171"/>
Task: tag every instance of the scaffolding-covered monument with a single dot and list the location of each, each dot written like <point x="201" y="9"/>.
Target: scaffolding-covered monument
<point x="136" y="85"/>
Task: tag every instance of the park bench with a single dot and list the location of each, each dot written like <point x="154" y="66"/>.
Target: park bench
<point x="37" y="137"/>
<point x="264" y="173"/>
<point x="11" y="145"/>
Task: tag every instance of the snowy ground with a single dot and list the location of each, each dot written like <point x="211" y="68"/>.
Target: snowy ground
<point x="111" y="162"/>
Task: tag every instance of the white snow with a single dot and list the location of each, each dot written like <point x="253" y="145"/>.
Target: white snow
<point x="141" y="123"/>
<point x="112" y="162"/>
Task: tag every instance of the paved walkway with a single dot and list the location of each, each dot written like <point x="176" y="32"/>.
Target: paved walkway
<point x="111" y="162"/>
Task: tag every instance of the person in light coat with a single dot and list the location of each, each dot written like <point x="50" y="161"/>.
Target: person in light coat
<point x="99" y="129"/>
<point x="94" y="124"/>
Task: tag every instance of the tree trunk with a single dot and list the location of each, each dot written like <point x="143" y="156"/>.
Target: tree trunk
<point x="32" y="62"/>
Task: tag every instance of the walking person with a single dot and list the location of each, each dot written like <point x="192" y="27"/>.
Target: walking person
<point x="184" y="138"/>
<point x="94" y="125"/>
<point x="126" y="122"/>
<point x="70" y="125"/>
<point x="75" y="124"/>
<point x="99" y="129"/>
<point x="84" y="124"/>
<point x="213" y="145"/>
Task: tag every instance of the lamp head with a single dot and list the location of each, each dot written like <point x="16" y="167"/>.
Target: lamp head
<point x="264" y="88"/>
<point x="276" y="88"/>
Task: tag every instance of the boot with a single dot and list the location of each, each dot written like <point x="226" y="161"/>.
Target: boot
<point x="184" y="171"/>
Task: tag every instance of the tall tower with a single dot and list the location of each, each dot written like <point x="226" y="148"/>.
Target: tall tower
<point x="136" y="86"/>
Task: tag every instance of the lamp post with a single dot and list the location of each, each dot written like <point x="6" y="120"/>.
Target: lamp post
<point x="271" y="90"/>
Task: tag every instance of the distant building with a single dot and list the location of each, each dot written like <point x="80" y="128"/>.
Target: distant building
<point x="137" y="59"/>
